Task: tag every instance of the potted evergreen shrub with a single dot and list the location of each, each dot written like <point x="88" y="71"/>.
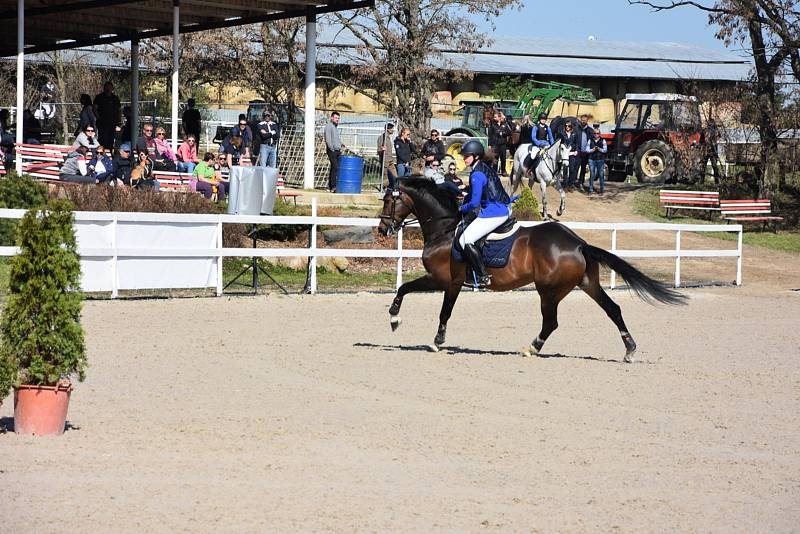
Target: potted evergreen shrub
<point x="41" y="338"/>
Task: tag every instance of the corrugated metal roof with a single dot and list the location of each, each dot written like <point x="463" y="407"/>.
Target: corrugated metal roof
<point x="572" y="57"/>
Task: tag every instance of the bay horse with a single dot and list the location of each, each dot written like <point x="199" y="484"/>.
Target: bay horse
<point x="550" y="255"/>
<point x="548" y="171"/>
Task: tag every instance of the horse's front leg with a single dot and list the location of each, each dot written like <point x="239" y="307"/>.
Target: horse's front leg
<point x="560" y="188"/>
<point x="425" y="283"/>
<point x="450" y="297"/>
<point x="543" y="184"/>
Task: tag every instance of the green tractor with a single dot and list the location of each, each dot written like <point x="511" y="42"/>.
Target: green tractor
<point x="537" y="97"/>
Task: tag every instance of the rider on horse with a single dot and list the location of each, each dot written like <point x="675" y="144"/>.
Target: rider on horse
<point x="491" y="202"/>
<point x="542" y="137"/>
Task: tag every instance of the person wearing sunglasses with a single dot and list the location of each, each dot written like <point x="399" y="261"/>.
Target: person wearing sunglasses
<point x="87" y="138"/>
<point x="146" y="142"/>
<point x="166" y="159"/>
<point x="569" y="137"/>
<point x="452" y="178"/>
<point x="433" y="148"/>
<point x="241" y="129"/>
<point x="187" y="155"/>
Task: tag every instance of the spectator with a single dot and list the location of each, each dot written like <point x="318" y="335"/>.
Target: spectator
<point x="191" y="119"/>
<point x="86" y="138"/>
<point x="526" y="130"/>
<point x="243" y="130"/>
<point x="433" y="148"/>
<point x="31" y="128"/>
<point x="386" y="155"/>
<point x="232" y="149"/>
<point x="146" y="142"/>
<point x="187" y="155"/>
<point x="75" y="169"/>
<point x="585" y="134"/>
<point x="333" y="147"/>
<point x="87" y="117"/>
<point x="142" y="174"/>
<point x="101" y="166"/>
<point x="6" y="137"/>
<point x="121" y="165"/>
<point x="433" y="172"/>
<point x="452" y="178"/>
<point x="208" y="177"/>
<point x="107" y="109"/>
<point x="499" y="133"/>
<point x="269" y="133"/>
<point x="404" y="150"/>
<point x="569" y="138"/>
<point x="597" y="150"/>
<point x="166" y="159"/>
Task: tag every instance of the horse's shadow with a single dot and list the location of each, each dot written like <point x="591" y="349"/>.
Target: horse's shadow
<point x="456" y="350"/>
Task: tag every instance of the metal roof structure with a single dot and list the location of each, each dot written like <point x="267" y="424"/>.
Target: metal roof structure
<point x="63" y="24"/>
<point x="571" y="57"/>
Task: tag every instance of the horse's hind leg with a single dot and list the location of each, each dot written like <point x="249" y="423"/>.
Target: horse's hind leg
<point x="425" y="283"/>
<point x="450" y="297"/>
<point x="591" y="285"/>
<point x="550" y="298"/>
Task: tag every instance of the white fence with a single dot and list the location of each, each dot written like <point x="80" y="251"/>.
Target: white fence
<point x="121" y="251"/>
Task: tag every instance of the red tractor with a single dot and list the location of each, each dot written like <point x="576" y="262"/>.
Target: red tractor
<point x="658" y="138"/>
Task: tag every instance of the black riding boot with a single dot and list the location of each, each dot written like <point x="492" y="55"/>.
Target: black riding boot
<point x="475" y="259"/>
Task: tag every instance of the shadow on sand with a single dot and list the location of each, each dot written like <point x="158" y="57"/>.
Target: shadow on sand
<point x="456" y="350"/>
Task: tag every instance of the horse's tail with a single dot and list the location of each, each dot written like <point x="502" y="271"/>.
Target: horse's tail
<point x="645" y="287"/>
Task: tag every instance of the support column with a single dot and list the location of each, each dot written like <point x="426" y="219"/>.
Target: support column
<point x="134" y="92"/>
<point x="20" y="77"/>
<point x="176" y="43"/>
<point x="310" y="99"/>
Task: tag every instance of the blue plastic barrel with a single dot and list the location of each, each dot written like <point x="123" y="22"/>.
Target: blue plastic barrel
<point x="351" y="170"/>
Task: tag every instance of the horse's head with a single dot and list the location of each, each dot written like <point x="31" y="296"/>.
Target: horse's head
<point x="397" y="205"/>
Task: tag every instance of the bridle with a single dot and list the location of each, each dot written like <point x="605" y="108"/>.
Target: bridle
<point x="394" y="226"/>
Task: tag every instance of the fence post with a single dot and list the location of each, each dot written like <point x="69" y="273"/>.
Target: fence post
<point x="739" y="260"/>
<point x="312" y="266"/>
<point x="399" y="258"/>
<point x="219" y="258"/>
<point x="678" y="258"/>
<point x="114" y="266"/>
<point x="613" y="251"/>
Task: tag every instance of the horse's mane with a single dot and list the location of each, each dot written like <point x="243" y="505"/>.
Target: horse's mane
<point x="442" y="197"/>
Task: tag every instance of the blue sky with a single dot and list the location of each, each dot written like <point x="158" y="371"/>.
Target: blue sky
<point x="609" y="20"/>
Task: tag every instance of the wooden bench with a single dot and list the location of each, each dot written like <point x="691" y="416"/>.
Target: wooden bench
<point x="759" y="210"/>
<point x="689" y="200"/>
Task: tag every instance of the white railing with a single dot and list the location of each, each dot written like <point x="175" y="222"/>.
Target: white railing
<point x="102" y="239"/>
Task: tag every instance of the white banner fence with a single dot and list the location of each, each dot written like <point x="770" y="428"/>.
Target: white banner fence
<point x="131" y="251"/>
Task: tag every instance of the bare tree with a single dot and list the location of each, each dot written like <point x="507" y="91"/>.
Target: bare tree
<point x="770" y="30"/>
<point x="399" y="56"/>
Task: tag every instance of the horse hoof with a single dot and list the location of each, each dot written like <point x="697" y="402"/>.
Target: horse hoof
<point x="559" y="213"/>
<point x="395" y="322"/>
<point x="530" y="351"/>
<point x="433" y="347"/>
<point x="629" y="356"/>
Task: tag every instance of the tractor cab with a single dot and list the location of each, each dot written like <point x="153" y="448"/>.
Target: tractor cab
<point x="654" y="136"/>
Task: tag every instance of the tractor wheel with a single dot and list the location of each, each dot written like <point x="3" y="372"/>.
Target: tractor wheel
<point x="654" y="162"/>
<point x="453" y="149"/>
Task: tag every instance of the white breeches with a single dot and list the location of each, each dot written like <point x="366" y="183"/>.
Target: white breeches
<point x="479" y="228"/>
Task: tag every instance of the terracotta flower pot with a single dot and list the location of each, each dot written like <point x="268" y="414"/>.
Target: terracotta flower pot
<point x="41" y="410"/>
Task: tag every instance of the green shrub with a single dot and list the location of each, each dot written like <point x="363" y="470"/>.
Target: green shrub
<point x="527" y="207"/>
<point x="18" y="192"/>
<point x="41" y="338"/>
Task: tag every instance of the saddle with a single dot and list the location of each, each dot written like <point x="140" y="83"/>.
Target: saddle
<point x="495" y="247"/>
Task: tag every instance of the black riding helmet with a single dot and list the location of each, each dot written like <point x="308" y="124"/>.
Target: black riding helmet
<point x="472" y="147"/>
<point x="542" y="116"/>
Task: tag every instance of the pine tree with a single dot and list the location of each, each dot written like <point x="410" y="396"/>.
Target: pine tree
<point x="42" y="337"/>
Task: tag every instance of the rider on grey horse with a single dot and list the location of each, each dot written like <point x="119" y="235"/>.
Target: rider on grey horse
<point x="542" y="137"/>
